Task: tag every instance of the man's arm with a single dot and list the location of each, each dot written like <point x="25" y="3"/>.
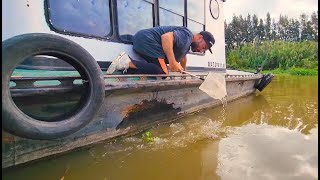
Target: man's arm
<point x="184" y="63"/>
<point x="167" y="45"/>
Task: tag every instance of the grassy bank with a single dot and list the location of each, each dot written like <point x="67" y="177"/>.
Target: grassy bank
<point x="295" y="71"/>
<point x="279" y="57"/>
<point x="291" y="71"/>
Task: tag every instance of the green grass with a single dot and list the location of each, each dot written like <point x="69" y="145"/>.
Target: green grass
<point x="291" y="71"/>
<point x="276" y="55"/>
<point x="294" y="71"/>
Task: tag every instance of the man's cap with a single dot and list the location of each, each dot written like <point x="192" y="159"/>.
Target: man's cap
<point x="208" y="38"/>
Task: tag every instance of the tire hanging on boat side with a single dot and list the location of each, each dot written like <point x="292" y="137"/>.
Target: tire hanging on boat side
<point x="15" y="50"/>
<point x="265" y="80"/>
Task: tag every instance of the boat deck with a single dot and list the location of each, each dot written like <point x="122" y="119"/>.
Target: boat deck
<point x="228" y="72"/>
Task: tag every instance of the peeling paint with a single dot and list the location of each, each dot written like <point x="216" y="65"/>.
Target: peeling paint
<point x="146" y="112"/>
<point x="7" y="139"/>
<point x="135" y="108"/>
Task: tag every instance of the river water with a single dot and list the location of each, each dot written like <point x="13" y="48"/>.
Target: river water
<point x="268" y="135"/>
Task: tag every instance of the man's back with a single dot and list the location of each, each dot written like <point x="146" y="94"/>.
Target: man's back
<point x="148" y="41"/>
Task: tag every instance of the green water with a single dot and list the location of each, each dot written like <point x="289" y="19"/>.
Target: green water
<point x="268" y="135"/>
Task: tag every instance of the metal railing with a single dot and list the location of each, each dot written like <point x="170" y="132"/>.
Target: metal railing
<point x="26" y="85"/>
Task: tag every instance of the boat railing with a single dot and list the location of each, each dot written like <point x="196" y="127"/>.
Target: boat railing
<point x="27" y="86"/>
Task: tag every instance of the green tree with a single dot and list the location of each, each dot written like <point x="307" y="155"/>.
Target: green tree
<point x="243" y="33"/>
<point x="283" y="28"/>
<point x="314" y="24"/>
<point x="255" y="26"/>
<point x="228" y="36"/>
<point x="274" y="34"/>
<point x="294" y="31"/>
<point x="268" y="27"/>
<point x="235" y="31"/>
<point x="249" y="29"/>
<point x="261" y="32"/>
<point x="307" y="32"/>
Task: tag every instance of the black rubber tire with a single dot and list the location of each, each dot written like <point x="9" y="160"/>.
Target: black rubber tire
<point x="265" y="80"/>
<point x="15" y="50"/>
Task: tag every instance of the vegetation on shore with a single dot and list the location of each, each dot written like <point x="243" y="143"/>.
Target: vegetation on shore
<point x="294" y="71"/>
<point x="280" y="57"/>
<point x="286" y="46"/>
<point x="291" y="71"/>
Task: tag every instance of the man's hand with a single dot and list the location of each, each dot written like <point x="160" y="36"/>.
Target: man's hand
<point x="184" y="63"/>
<point x="175" y="67"/>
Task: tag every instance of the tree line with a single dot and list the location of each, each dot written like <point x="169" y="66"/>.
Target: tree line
<point x="242" y="30"/>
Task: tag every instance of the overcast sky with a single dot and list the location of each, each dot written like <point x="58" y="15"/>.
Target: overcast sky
<point x="291" y="8"/>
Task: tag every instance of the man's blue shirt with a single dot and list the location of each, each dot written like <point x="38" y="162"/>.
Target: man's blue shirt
<point x="148" y="41"/>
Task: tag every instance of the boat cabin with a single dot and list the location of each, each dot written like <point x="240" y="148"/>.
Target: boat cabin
<point x="105" y="27"/>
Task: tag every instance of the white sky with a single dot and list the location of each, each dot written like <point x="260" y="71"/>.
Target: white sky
<point x="291" y="8"/>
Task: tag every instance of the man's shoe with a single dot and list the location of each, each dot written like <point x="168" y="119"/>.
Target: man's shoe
<point x="121" y="63"/>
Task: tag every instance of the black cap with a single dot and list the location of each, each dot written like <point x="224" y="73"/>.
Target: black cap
<point x="208" y="38"/>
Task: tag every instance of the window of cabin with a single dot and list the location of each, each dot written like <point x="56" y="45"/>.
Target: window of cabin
<point x="89" y="17"/>
<point x="195" y="14"/>
<point x="171" y="12"/>
<point x="93" y="17"/>
<point x="134" y="15"/>
<point x="194" y="26"/>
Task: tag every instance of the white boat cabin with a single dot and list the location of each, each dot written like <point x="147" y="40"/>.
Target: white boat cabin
<point x="104" y="27"/>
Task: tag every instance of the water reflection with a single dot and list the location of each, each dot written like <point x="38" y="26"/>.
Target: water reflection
<point x="266" y="152"/>
<point x="278" y="140"/>
<point x="268" y="135"/>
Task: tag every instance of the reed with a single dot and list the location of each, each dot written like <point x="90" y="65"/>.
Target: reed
<point x="299" y="58"/>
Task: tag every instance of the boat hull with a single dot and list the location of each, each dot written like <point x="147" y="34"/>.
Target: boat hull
<point x="128" y="108"/>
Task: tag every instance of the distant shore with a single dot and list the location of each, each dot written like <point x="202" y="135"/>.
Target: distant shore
<point x="291" y="71"/>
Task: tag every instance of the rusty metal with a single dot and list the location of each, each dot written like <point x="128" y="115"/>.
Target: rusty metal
<point x="147" y="112"/>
